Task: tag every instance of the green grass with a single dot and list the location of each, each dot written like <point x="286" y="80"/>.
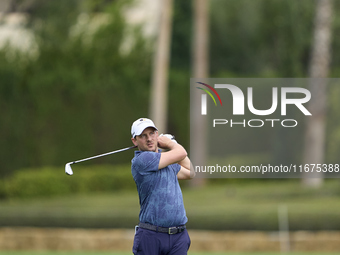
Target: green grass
<point x="129" y="253"/>
<point x="247" y="206"/>
<point x="253" y="204"/>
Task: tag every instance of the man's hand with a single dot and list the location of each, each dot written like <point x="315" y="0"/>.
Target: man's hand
<point x="165" y="142"/>
<point x="171" y="137"/>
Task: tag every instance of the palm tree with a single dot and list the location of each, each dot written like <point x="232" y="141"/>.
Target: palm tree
<point x="159" y="97"/>
<point x="200" y="70"/>
<point x="314" y="145"/>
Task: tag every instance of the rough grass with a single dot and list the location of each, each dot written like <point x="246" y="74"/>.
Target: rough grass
<point x="234" y="206"/>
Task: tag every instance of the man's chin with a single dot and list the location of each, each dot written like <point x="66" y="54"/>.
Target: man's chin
<point x="150" y="149"/>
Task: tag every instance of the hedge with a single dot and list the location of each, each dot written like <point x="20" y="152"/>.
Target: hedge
<point x="52" y="181"/>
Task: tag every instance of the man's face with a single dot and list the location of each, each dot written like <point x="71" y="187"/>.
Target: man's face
<point x="147" y="141"/>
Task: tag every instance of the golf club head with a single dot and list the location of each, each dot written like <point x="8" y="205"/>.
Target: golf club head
<point x="68" y="169"/>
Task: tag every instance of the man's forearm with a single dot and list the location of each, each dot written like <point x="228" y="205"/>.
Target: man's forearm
<point x="175" y="153"/>
<point x="185" y="163"/>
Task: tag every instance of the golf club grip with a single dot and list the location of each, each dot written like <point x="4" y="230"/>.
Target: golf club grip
<point x="105" y="154"/>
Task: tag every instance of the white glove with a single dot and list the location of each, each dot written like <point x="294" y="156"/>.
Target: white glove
<point x="171" y="137"/>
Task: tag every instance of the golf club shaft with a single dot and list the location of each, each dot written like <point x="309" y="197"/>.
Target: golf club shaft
<point x="105" y="154"/>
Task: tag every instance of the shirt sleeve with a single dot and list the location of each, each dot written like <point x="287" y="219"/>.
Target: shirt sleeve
<point x="176" y="168"/>
<point x="148" y="162"/>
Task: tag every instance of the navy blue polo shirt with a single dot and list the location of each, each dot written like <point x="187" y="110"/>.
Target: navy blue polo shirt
<point x="160" y="196"/>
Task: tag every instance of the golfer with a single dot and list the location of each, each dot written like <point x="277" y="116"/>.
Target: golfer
<point x="162" y="216"/>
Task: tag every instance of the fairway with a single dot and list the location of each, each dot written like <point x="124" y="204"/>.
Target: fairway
<point x="223" y="207"/>
<point x="220" y="207"/>
<point x="129" y="253"/>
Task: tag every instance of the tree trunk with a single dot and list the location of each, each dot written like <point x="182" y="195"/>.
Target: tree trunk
<point x="200" y="70"/>
<point x="319" y="68"/>
<point x="159" y="92"/>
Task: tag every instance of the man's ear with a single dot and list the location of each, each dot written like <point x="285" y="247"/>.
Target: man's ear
<point x="134" y="140"/>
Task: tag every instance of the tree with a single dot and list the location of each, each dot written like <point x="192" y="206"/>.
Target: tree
<point x="159" y="97"/>
<point x="200" y="70"/>
<point x="319" y="68"/>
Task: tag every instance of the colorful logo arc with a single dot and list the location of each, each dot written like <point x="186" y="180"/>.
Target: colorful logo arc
<point x="204" y="97"/>
<point x="207" y="91"/>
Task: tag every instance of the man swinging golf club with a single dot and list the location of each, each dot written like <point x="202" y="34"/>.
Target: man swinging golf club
<point x="162" y="216"/>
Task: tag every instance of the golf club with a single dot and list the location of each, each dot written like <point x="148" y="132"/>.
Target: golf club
<point x="68" y="169"/>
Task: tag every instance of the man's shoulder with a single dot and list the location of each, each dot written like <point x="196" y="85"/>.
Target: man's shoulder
<point x="146" y="159"/>
<point x="145" y="155"/>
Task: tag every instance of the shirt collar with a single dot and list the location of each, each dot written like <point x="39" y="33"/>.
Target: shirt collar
<point x="139" y="152"/>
